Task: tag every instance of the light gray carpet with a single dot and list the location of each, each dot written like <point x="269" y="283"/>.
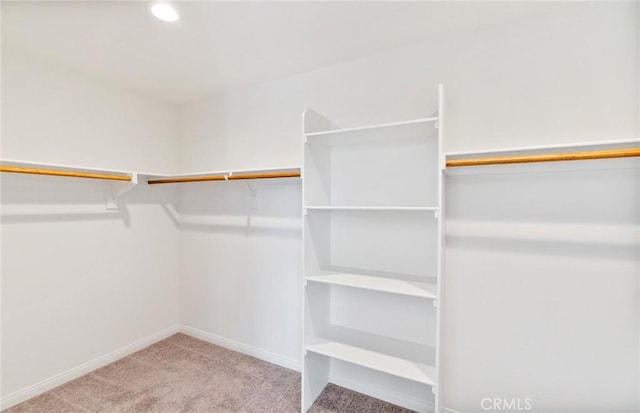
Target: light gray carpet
<point x="182" y="374"/>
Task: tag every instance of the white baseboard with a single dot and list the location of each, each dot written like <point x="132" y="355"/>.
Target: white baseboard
<point x="448" y="410"/>
<point x="242" y="348"/>
<point x="59" y="379"/>
<point x="383" y="394"/>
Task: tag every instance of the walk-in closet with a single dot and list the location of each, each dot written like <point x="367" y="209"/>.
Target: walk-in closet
<point x="319" y="207"/>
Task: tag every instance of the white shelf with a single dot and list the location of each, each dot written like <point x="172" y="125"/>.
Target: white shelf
<point x="150" y="175"/>
<point x="381" y="362"/>
<point x="295" y="168"/>
<point x="60" y="167"/>
<point x="542" y="149"/>
<point x="387" y="134"/>
<point x="388" y="285"/>
<point x="370" y="127"/>
<point x="370" y="208"/>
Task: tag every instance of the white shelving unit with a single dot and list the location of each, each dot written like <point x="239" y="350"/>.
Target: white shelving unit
<point x="373" y="258"/>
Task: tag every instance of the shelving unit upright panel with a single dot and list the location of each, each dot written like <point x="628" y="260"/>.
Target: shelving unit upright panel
<point x="315" y="368"/>
<point x="442" y="164"/>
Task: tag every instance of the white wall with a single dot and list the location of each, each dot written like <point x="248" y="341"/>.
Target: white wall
<point x="543" y="270"/>
<point x="78" y="281"/>
<point x="567" y="77"/>
<point x="56" y="115"/>
<point x="241" y="260"/>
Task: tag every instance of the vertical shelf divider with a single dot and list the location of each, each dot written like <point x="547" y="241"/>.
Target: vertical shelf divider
<point x="315" y="368"/>
<point x="437" y="389"/>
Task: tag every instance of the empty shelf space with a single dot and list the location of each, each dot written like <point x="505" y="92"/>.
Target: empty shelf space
<point x="370" y="208"/>
<point x="389" y="285"/>
<point x="387" y="364"/>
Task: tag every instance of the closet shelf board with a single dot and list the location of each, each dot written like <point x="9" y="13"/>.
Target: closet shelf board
<point x="556" y="157"/>
<point x="385" y="134"/>
<point x="371" y="127"/>
<point x="370" y="208"/>
<point x="381" y="362"/>
<point x="545" y="149"/>
<point x="388" y="285"/>
<point x="295" y="168"/>
<point x="229" y="175"/>
<point x="64" y="170"/>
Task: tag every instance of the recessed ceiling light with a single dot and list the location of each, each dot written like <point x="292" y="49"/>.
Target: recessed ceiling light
<point x="164" y="12"/>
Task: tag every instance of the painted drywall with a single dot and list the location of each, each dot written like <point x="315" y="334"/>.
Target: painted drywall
<point x="80" y="282"/>
<point x="543" y="270"/>
<point x="539" y="329"/>
<point x="570" y="76"/>
<point x="566" y="77"/>
<point x="240" y="268"/>
<point x="53" y="114"/>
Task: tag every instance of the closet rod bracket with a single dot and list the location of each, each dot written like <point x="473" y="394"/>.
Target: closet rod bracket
<point x="117" y="189"/>
<point x="249" y="189"/>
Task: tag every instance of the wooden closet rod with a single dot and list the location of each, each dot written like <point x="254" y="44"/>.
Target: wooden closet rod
<point x="266" y="175"/>
<point x="552" y="157"/>
<point x="53" y="172"/>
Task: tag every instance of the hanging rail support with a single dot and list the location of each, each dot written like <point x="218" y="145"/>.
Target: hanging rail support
<point x="117" y="189"/>
<point x="249" y="189"/>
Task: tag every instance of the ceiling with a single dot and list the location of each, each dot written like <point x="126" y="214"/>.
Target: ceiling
<point x="218" y="46"/>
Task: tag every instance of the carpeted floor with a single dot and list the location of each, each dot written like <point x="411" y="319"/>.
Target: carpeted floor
<point x="182" y="374"/>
